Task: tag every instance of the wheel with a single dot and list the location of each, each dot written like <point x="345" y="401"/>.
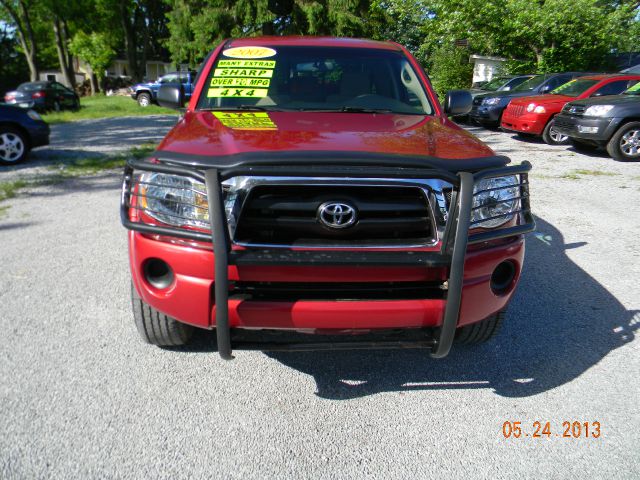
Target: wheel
<point x="56" y="106"/>
<point x="157" y="328"/>
<point x="13" y="146"/>
<point x="552" y="137"/>
<point x="481" y="331"/>
<point x="624" y="146"/>
<point x="582" y="146"/>
<point x="76" y="105"/>
<point x="144" y="99"/>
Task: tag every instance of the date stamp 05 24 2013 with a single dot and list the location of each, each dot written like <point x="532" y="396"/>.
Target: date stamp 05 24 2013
<point x="540" y="429"/>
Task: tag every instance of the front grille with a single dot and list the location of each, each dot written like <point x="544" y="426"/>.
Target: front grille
<point x="341" y="291"/>
<point x="559" y="122"/>
<point x="515" y="110"/>
<point x="288" y="215"/>
<point x="577" y="110"/>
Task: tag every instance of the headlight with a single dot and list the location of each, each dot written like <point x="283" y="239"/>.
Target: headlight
<point x="174" y="200"/>
<point x="532" y="107"/>
<point x="491" y="101"/>
<point x="33" y="115"/>
<point x="494" y="201"/>
<point x="598" y="110"/>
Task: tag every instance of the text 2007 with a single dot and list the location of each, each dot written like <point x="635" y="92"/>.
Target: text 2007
<point x="540" y="429"/>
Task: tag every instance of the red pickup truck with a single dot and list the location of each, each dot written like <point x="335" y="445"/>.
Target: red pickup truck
<point x="315" y="195"/>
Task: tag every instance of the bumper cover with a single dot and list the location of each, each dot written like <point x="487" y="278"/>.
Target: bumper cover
<point x="571" y="125"/>
<point x="214" y="170"/>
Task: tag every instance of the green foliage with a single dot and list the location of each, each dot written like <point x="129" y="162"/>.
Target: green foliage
<point x="450" y="69"/>
<point x="196" y="26"/>
<point x="544" y="36"/>
<point x="97" y="49"/>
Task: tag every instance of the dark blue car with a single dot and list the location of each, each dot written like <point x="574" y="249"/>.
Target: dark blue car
<point x="20" y="131"/>
<point x="146" y="93"/>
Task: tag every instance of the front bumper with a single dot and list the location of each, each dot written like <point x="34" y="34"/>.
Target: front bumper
<point x="39" y="134"/>
<point x="596" y="129"/>
<point x="527" y="123"/>
<point x="465" y="274"/>
<point x="488" y="115"/>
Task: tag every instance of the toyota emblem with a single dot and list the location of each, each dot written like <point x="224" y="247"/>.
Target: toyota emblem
<point x="337" y="214"/>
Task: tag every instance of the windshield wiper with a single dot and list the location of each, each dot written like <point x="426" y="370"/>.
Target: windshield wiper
<point x="260" y="108"/>
<point x="345" y="109"/>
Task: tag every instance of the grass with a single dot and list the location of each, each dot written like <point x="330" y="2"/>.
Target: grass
<point x="11" y="189"/>
<point x="575" y="174"/>
<point x="76" y="168"/>
<point x="101" y="106"/>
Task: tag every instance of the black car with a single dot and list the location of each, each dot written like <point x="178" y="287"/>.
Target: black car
<point x="503" y="83"/>
<point x="487" y="108"/>
<point x="43" y="96"/>
<point x="612" y="122"/>
<point x="20" y="131"/>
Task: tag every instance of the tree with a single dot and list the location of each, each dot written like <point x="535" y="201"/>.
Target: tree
<point x="451" y="68"/>
<point x="18" y="12"/>
<point x="552" y="35"/>
<point x="97" y="50"/>
<point x="196" y="26"/>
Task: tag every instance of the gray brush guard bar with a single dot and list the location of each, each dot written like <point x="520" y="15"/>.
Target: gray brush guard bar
<point x="212" y="171"/>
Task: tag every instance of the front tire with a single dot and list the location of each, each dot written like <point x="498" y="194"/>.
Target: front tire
<point x="157" y="328"/>
<point x="624" y="146"/>
<point x="482" y="331"/>
<point x="552" y="137"/>
<point x="14" y="147"/>
<point x="144" y="99"/>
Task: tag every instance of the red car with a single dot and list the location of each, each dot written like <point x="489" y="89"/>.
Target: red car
<point x="315" y="195"/>
<point x="535" y="115"/>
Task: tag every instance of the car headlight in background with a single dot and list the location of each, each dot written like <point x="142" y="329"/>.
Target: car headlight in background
<point x="33" y="115"/>
<point x="494" y="201"/>
<point x="174" y="200"/>
<point x="597" y="110"/>
<point x="491" y="101"/>
<point x="532" y="107"/>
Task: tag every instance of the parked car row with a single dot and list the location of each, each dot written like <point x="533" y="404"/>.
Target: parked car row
<point x="586" y="110"/>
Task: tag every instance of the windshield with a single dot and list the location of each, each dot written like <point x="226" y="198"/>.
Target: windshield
<point x="495" y="84"/>
<point x="32" y="86"/>
<point x="314" y="78"/>
<point x="635" y="90"/>
<point x="575" y="87"/>
<point x="530" y="84"/>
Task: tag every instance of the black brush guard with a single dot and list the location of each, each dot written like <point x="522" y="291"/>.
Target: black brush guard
<point x="212" y="171"/>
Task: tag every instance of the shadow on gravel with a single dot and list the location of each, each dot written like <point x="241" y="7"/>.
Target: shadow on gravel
<point x="561" y="323"/>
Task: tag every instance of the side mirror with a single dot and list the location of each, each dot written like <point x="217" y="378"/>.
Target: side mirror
<point x="171" y="96"/>
<point x="458" y="102"/>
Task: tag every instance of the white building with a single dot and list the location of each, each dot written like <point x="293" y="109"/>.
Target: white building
<point x="485" y="68"/>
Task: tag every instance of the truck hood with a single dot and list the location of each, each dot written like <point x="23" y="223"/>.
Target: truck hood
<point x="227" y="133"/>
<point x="609" y="100"/>
<point x="546" y="100"/>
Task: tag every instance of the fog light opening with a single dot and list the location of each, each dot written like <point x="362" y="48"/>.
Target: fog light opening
<point x="502" y="277"/>
<point x="158" y="273"/>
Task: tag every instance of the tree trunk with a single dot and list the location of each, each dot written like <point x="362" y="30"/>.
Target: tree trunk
<point x="94" y="83"/>
<point x="25" y="35"/>
<point x="128" y="26"/>
<point x="31" y="59"/>
<point x="69" y="58"/>
<point x="69" y="80"/>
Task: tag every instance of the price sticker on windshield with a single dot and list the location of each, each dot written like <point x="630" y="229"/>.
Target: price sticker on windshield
<point x="237" y="92"/>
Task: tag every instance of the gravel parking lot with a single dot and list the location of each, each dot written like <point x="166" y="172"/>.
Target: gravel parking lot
<point x="81" y="396"/>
